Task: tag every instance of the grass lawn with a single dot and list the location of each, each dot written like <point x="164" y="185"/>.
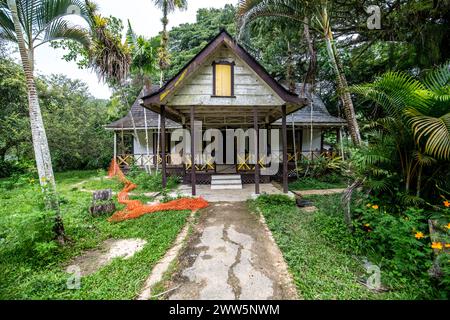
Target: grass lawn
<point x="318" y="251"/>
<point x="32" y="266"/>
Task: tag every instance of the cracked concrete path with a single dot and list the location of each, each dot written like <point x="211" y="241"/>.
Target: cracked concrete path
<point x="231" y="255"/>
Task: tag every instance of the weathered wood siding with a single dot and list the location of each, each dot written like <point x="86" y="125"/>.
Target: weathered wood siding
<point x="249" y="88"/>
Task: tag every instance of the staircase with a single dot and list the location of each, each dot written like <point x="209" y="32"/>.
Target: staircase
<point x="226" y="182"/>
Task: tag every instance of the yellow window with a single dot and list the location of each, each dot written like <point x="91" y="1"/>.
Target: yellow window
<point x="223" y="80"/>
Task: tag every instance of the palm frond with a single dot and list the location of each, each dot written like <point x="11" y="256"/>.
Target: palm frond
<point x="251" y="10"/>
<point x="438" y="82"/>
<point x="109" y="57"/>
<point x="7" y="31"/>
<point x="171" y="4"/>
<point x="51" y="10"/>
<point x="381" y="185"/>
<point x="62" y="29"/>
<point x="423" y="159"/>
<point x="395" y="91"/>
<point x="433" y="133"/>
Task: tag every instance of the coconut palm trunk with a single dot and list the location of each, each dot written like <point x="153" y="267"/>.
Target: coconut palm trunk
<point x="341" y="80"/>
<point x="39" y="137"/>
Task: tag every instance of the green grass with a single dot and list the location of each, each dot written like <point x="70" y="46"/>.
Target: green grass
<point x="32" y="266"/>
<point x="315" y="184"/>
<point x="320" y="252"/>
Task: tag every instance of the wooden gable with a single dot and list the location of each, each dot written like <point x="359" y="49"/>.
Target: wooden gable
<point x="248" y="88"/>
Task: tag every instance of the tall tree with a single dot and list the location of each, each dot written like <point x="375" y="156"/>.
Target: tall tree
<point x="167" y="6"/>
<point x="302" y="12"/>
<point x="31" y="24"/>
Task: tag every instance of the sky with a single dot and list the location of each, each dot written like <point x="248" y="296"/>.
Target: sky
<point x="145" y="19"/>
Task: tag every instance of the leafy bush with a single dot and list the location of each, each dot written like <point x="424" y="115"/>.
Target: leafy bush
<point x="278" y="200"/>
<point x="398" y="241"/>
<point x="149" y="182"/>
<point x="9" y="168"/>
<point x="321" y="167"/>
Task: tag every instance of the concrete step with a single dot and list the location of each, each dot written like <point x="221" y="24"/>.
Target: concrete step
<point x="226" y="177"/>
<point x="219" y="182"/>
<point x="226" y="187"/>
<point x="226" y="182"/>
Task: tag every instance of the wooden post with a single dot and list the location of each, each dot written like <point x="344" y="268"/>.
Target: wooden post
<point x="163" y="146"/>
<point x="321" y="140"/>
<point x="284" y="139"/>
<point x="193" y="178"/>
<point x="115" y="146"/>
<point x="255" y="125"/>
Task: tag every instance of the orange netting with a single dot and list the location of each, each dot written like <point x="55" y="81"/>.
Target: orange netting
<point x="135" y="208"/>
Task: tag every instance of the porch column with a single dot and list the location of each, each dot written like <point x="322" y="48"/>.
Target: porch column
<point x="255" y="125"/>
<point x="163" y="146"/>
<point x="115" y="146"/>
<point x="284" y="139"/>
<point x="193" y="178"/>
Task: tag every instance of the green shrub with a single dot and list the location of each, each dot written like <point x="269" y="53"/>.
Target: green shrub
<point x="397" y="241"/>
<point x="17" y="168"/>
<point x="320" y="167"/>
<point x="277" y="200"/>
<point x="149" y="182"/>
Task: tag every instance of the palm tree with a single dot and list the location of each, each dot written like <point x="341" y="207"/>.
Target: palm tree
<point x="417" y="118"/>
<point x="31" y="24"/>
<point x="108" y="56"/>
<point x="166" y="6"/>
<point x="301" y="12"/>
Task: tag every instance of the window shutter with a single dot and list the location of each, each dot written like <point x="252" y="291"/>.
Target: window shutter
<point x="223" y="80"/>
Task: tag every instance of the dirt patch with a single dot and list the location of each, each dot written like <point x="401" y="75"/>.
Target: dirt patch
<point x="92" y="260"/>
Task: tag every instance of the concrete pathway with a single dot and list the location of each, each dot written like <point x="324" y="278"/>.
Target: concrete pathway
<point x="319" y="192"/>
<point x="247" y="192"/>
<point x="231" y="255"/>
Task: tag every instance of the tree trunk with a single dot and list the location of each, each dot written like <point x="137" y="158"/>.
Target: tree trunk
<point x="39" y="137"/>
<point x="419" y="180"/>
<point x="342" y="84"/>
<point x="311" y="73"/>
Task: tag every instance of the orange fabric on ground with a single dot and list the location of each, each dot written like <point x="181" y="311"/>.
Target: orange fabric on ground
<point x="135" y="208"/>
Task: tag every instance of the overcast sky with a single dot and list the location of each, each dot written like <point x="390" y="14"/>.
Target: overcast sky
<point x="145" y="19"/>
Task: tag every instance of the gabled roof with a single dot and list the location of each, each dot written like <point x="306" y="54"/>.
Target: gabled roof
<point x="320" y="114"/>
<point x="137" y="113"/>
<point x="159" y="97"/>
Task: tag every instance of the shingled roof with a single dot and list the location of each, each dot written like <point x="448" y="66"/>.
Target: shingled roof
<point x="320" y="114"/>
<point x="126" y="123"/>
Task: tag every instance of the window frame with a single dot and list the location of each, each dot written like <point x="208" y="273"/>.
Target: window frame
<point x="223" y="62"/>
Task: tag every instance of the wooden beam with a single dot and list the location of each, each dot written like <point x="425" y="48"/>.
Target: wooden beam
<point x="284" y="138"/>
<point x="193" y="178"/>
<point x="256" y="127"/>
<point x="163" y="146"/>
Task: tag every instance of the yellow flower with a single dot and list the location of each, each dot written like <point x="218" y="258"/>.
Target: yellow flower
<point x="447" y="203"/>
<point x="447" y="245"/>
<point x="448" y="226"/>
<point x="368" y="205"/>
<point x="367" y="225"/>
<point x="436" y="245"/>
<point x="375" y="207"/>
<point x="419" y="235"/>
